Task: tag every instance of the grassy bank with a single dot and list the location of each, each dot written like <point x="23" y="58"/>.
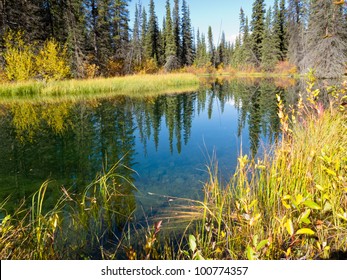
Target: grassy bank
<point x="134" y="86"/>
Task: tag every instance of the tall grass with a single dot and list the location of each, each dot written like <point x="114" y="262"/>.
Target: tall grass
<point x="135" y="86"/>
<point x="30" y="233"/>
<point x="80" y="226"/>
<point x="290" y="204"/>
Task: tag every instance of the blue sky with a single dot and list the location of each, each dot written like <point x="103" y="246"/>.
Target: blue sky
<point x="219" y="14"/>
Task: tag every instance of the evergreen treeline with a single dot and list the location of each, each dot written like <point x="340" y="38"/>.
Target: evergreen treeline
<point x="95" y="38"/>
<point x="307" y="34"/>
<point x="97" y="35"/>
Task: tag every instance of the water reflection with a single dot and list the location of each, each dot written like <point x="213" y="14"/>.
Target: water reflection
<point x="162" y="142"/>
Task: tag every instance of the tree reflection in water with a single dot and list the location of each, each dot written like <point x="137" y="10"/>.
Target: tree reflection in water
<point x="70" y="142"/>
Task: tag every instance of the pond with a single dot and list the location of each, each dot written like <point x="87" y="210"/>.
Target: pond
<point x="162" y="144"/>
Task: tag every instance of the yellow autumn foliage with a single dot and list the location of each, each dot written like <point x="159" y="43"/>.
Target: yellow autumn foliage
<point x="52" y="61"/>
<point x="22" y="63"/>
<point x="19" y="57"/>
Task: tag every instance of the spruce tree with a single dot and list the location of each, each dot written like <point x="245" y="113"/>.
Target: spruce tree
<point x="244" y="55"/>
<point x="276" y="25"/>
<point x="242" y="21"/>
<point x="103" y="34"/>
<point x="171" y="60"/>
<point x="136" y="52"/>
<point x="187" y="52"/>
<point x="257" y="28"/>
<point x="221" y="54"/>
<point x="98" y="26"/>
<point x="270" y="54"/>
<point x="296" y="28"/>
<point x="236" y="61"/>
<point x="211" y="49"/>
<point x="162" y="44"/>
<point x="283" y="30"/>
<point x="76" y="39"/>
<point x="201" y="58"/>
<point x="177" y="27"/>
<point x="326" y="45"/>
<point x="279" y="26"/>
<point x="120" y="29"/>
<point x="55" y="19"/>
<point x="27" y="16"/>
<point x="152" y="35"/>
<point x="144" y="28"/>
<point x="170" y="48"/>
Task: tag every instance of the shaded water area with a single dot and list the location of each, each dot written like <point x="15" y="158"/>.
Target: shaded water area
<point x="161" y="144"/>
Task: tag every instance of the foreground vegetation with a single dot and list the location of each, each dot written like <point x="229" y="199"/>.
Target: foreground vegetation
<point x="134" y="86"/>
<point x="290" y="204"/>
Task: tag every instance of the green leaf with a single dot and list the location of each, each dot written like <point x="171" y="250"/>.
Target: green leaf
<point x="304" y="217"/>
<point x="327" y="207"/>
<point x="305" y="231"/>
<point x="250" y="253"/>
<point x="184" y="252"/>
<point x="262" y="244"/>
<point x="255" y="240"/>
<point x="306" y="221"/>
<point x="312" y="205"/>
<point x="7" y="218"/>
<point x="306" y="214"/>
<point x="192" y="242"/>
<point x="199" y="257"/>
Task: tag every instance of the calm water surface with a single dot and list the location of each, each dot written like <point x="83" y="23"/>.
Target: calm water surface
<point x="162" y="144"/>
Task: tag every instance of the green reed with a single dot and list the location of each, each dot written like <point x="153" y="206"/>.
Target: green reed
<point x="80" y="226"/>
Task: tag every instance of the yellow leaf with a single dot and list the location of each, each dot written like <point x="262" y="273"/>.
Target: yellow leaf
<point x="299" y="199"/>
<point x="289" y="226"/>
<point x="305" y="231"/>
<point x="285" y="204"/>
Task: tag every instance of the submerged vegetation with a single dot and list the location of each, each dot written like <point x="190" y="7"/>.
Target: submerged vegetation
<point x="289" y="204"/>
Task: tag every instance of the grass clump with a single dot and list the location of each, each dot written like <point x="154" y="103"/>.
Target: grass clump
<point x="134" y="86"/>
<point x="89" y="225"/>
<point x="292" y="203"/>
